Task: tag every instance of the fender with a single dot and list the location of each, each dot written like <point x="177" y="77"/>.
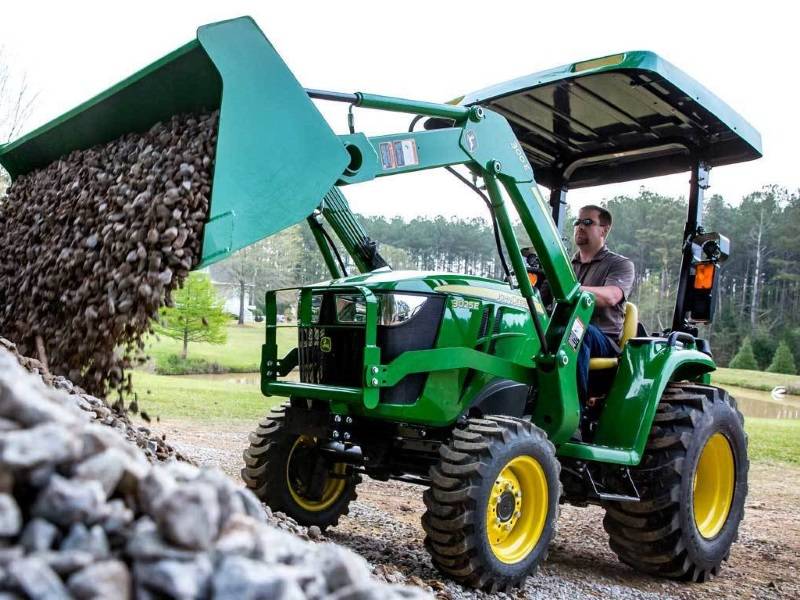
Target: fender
<point x="646" y="366"/>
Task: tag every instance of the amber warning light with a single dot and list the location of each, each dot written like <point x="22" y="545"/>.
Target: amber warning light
<point x="704" y="275"/>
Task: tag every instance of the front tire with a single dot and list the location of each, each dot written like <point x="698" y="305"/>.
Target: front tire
<point x="285" y="471"/>
<point x="492" y="506"/>
<point x="692" y="482"/>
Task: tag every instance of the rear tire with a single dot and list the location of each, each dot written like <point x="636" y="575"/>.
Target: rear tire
<point x="692" y="482"/>
<point x="492" y="506"/>
<point x="280" y="470"/>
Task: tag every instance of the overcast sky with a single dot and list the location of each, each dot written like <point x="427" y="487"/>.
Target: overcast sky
<point x="435" y="51"/>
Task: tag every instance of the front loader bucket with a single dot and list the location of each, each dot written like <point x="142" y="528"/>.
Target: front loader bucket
<point x="276" y="156"/>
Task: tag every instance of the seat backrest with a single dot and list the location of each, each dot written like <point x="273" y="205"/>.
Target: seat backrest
<point x="630" y="323"/>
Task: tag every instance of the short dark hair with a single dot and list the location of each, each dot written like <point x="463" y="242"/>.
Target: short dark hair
<point x="605" y="216"/>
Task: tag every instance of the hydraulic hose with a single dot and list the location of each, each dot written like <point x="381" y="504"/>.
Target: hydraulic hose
<point x="483" y="197"/>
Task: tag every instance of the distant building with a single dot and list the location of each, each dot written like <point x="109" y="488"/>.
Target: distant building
<point x="229" y="292"/>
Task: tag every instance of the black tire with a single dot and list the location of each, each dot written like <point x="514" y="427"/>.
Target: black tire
<point x="268" y="472"/>
<point x="660" y="535"/>
<point x="463" y="484"/>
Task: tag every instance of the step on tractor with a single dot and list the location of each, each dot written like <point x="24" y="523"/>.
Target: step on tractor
<point x="462" y="384"/>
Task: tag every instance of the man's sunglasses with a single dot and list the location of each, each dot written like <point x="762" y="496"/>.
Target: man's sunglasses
<point x="585" y="222"/>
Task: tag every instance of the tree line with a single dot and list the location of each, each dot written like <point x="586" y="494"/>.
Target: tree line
<point x="758" y="288"/>
<point x="758" y="291"/>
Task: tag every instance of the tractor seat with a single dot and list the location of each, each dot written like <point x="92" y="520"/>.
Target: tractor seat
<point x="628" y="331"/>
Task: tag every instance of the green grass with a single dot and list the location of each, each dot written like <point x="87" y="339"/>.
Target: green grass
<point x="756" y="380"/>
<point x="774" y="440"/>
<point x="197" y="399"/>
<point x="241" y="353"/>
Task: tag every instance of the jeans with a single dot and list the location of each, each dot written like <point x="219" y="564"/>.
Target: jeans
<point x="595" y="345"/>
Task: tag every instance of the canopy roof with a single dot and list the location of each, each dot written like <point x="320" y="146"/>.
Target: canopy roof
<point x="618" y="118"/>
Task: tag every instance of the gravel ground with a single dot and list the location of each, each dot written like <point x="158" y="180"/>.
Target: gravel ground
<point x="384" y="527"/>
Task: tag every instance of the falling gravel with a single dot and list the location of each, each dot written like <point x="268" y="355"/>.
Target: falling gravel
<point x="95" y="243"/>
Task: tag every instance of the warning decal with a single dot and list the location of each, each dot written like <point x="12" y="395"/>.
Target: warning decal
<point x="576" y="334"/>
<point x="399" y="153"/>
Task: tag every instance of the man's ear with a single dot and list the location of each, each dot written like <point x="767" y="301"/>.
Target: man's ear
<point x="607" y="229"/>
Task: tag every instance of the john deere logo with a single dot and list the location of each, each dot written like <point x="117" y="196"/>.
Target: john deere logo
<point x="325" y="344"/>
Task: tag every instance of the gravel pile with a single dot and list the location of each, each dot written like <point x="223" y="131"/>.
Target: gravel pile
<point x="154" y="447"/>
<point x="84" y="514"/>
<point x="94" y="244"/>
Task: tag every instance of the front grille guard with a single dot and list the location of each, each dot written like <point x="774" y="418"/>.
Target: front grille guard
<point x="273" y="367"/>
<point x="374" y="375"/>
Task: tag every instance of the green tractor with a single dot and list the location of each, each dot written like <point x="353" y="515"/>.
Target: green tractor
<point x="463" y="384"/>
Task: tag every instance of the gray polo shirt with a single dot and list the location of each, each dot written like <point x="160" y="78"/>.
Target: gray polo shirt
<point x="607" y="268"/>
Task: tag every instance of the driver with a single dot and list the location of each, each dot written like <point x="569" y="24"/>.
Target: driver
<point x="609" y="276"/>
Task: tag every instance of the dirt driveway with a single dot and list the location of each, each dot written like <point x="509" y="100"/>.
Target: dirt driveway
<point x="383" y="526"/>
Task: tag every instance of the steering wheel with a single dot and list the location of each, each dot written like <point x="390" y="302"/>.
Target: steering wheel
<point x="534" y="267"/>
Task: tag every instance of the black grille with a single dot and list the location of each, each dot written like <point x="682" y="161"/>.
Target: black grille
<point x="484" y="321"/>
<point x="336" y="361"/>
<point x="498" y="323"/>
<point x="310" y="355"/>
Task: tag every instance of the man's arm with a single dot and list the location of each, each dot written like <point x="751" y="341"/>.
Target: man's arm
<point x="618" y="284"/>
<point x="607" y="295"/>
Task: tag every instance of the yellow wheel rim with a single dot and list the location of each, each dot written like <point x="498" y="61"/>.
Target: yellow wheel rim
<point x="712" y="488"/>
<point x="517" y="509"/>
<point x="333" y="487"/>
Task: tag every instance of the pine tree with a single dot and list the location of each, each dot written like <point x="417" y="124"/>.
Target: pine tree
<point x="783" y="361"/>
<point x="197" y="316"/>
<point x="744" y="359"/>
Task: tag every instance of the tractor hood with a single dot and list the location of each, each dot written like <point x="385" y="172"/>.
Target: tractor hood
<point x="386" y="280"/>
<point x="618" y="118"/>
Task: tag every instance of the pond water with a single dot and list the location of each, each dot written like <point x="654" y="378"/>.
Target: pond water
<point x="752" y="403"/>
<point x="238" y="378"/>
<point x="755" y="403"/>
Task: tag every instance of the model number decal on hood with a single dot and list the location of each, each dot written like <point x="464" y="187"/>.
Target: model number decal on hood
<point x="506" y="297"/>
<point x="468" y="304"/>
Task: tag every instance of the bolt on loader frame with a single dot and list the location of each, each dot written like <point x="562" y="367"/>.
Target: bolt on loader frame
<point x="462" y="383"/>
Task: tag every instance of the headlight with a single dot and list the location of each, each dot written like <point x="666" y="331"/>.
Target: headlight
<point x="392" y="310"/>
<point x="351" y="308"/>
<point x="398" y="308"/>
